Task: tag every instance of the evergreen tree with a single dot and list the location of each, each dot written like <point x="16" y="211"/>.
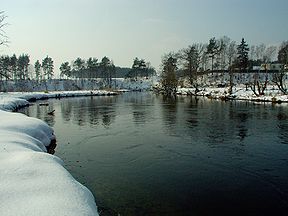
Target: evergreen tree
<point x="13" y="64"/>
<point x="22" y="65"/>
<point x="212" y="50"/>
<point x="169" y="80"/>
<point x="283" y="53"/>
<point x="5" y="67"/>
<point x="65" y="69"/>
<point x="139" y="68"/>
<point x="242" y="55"/>
<point x="107" y="69"/>
<point x="92" y="66"/>
<point x="79" y="67"/>
<point x="37" y="67"/>
<point x="48" y="67"/>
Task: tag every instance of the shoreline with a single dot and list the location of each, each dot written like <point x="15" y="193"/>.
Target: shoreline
<point x="239" y="94"/>
<point x="34" y="182"/>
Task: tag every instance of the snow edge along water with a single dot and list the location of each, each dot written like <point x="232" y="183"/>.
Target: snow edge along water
<point x="33" y="182"/>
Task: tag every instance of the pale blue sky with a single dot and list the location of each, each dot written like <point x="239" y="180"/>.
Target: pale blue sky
<point x="124" y="29"/>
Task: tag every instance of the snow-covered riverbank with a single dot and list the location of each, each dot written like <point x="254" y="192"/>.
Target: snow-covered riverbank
<point x="13" y="100"/>
<point x="240" y="92"/>
<point x="33" y="182"/>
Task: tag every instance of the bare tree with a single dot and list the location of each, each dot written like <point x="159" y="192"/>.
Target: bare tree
<point x="232" y="56"/>
<point x="190" y="58"/>
<point x="3" y="36"/>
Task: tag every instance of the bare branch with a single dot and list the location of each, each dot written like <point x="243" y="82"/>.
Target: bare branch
<point x="3" y="36"/>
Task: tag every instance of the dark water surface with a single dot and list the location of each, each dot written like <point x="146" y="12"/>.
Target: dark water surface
<point x="142" y="154"/>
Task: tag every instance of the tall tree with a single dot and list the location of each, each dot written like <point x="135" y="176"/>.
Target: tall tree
<point x="65" y="69"/>
<point x="212" y="50"/>
<point x="23" y="64"/>
<point x="92" y="66"/>
<point x="3" y="36"/>
<point x="13" y="64"/>
<point x="280" y="78"/>
<point x="169" y="80"/>
<point x="37" y="68"/>
<point x="191" y="61"/>
<point x="139" y="68"/>
<point x="107" y="70"/>
<point x="242" y="55"/>
<point x="283" y="53"/>
<point x="79" y="67"/>
<point x="5" y="67"/>
<point x="48" y="67"/>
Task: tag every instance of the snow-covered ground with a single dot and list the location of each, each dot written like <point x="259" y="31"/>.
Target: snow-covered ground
<point x="33" y="182"/>
<point x="272" y="94"/>
<point x="77" y="84"/>
<point x="13" y="100"/>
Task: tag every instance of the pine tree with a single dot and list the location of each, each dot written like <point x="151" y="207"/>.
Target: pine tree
<point x="283" y="53"/>
<point x="169" y="80"/>
<point x="65" y="69"/>
<point x="48" y="67"/>
<point x="242" y="55"/>
<point x="37" y="67"/>
<point x="212" y="50"/>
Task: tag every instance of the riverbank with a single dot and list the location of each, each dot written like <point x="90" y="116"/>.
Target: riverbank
<point x="240" y="92"/>
<point x="33" y="182"/>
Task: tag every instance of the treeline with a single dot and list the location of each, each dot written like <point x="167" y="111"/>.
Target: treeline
<point x="18" y="68"/>
<point x="105" y="69"/>
<point x="221" y="54"/>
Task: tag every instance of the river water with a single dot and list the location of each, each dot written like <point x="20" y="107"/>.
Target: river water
<point x="143" y="154"/>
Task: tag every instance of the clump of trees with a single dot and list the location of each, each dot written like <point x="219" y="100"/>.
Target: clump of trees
<point x="104" y="70"/>
<point x="89" y="69"/>
<point x="169" y="81"/>
<point x="19" y="68"/>
<point x="140" y="68"/>
<point x="222" y="57"/>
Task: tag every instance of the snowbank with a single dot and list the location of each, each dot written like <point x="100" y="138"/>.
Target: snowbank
<point x="13" y="100"/>
<point x="239" y="93"/>
<point x="33" y="182"/>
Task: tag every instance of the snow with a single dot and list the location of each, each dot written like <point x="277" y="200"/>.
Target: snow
<point x="13" y="100"/>
<point x="78" y="84"/>
<point x="33" y="182"/>
<point x="238" y="93"/>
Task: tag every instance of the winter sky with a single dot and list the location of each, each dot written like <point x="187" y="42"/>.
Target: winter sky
<point x="124" y="29"/>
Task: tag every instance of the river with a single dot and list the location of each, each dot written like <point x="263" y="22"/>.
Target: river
<point x="143" y="154"/>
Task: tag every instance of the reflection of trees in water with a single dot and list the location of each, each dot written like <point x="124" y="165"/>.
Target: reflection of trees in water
<point x="217" y="123"/>
<point x="282" y="118"/>
<point x="66" y="110"/>
<point x="89" y="110"/>
<point x="42" y="113"/>
<point x="80" y="113"/>
<point x="239" y="115"/>
<point x="192" y="112"/>
<point x="141" y="106"/>
<point x="169" y="112"/>
<point x="108" y="110"/>
<point x="93" y="112"/>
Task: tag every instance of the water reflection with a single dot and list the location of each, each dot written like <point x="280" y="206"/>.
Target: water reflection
<point x="89" y="111"/>
<point x="192" y="112"/>
<point x="41" y="111"/>
<point x="143" y="154"/>
<point x="283" y="126"/>
<point x="169" y="112"/>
